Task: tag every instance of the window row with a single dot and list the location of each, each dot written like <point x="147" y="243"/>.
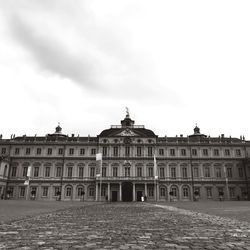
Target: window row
<point x="45" y="191"/>
<point x="58" y="151"/>
<point x="127" y="171"/>
<point x="129" y="151"/>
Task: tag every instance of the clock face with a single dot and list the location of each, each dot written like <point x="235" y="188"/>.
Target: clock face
<point x="127" y="140"/>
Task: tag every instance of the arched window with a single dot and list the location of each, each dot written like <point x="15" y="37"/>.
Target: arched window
<point x="174" y="191"/>
<point x="185" y="191"/>
<point x="68" y="191"/>
<point x="80" y="191"/>
<point x="162" y="192"/>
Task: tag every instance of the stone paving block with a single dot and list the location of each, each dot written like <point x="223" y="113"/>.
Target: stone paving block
<point x="125" y="226"/>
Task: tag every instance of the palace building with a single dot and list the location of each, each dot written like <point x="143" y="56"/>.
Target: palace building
<point x="135" y="162"/>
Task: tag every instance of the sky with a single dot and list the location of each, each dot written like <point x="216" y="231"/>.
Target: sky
<point x="82" y="62"/>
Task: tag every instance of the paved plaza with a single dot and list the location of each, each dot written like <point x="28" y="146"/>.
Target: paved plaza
<point x="123" y="226"/>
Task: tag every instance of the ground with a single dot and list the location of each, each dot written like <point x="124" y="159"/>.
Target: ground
<point x="79" y="225"/>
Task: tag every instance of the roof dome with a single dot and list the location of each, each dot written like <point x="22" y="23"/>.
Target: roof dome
<point x="58" y="129"/>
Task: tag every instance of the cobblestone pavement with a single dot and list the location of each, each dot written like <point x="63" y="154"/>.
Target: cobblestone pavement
<point x="125" y="226"/>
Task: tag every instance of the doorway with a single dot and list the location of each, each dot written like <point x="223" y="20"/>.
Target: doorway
<point x="114" y="196"/>
<point x="127" y="191"/>
<point x="139" y="195"/>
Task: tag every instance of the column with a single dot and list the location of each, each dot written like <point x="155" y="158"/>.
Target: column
<point x="146" y="189"/>
<point x="96" y="192"/>
<point x="180" y="192"/>
<point x="108" y="191"/>
<point x="73" y="192"/>
<point x="120" y="191"/>
<point x="133" y="191"/>
<point x="157" y="191"/>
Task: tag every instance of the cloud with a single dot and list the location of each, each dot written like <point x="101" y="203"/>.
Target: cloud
<point x="101" y="54"/>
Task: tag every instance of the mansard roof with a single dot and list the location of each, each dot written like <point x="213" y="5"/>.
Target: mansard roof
<point x="137" y="132"/>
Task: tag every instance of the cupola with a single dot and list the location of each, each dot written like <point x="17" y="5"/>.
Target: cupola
<point x="127" y="122"/>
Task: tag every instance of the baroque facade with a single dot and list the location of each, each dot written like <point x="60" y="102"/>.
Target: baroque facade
<point x="65" y="167"/>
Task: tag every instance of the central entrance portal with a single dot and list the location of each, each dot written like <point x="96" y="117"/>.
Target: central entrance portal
<point x="127" y="191"/>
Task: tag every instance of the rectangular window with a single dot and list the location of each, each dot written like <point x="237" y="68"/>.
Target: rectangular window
<point x="82" y="151"/>
<point x="49" y="152"/>
<point x="229" y="173"/>
<point x="115" y="151"/>
<point x="92" y="172"/>
<point x="218" y="172"/>
<point x="22" y="192"/>
<point x="38" y="151"/>
<point x="27" y="152"/>
<point x="150" y="172"/>
<point x="231" y="192"/>
<point x="5" y="171"/>
<point x="173" y="172"/>
<point x="57" y="191"/>
<point x="81" y="171"/>
<point x="209" y="192"/>
<point x="161" y="151"/>
<point x="36" y="171"/>
<point x="93" y="151"/>
<point x="194" y="151"/>
<point x="216" y="152"/>
<point x="17" y="151"/>
<point x="139" y="171"/>
<point x="71" y="151"/>
<point x="103" y="192"/>
<point x="115" y="171"/>
<point x="10" y="191"/>
<point x="91" y="191"/>
<point x="196" y="172"/>
<point x="13" y="172"/>
<point x="58" y="172"/>
<point x="184" y="172"/>
<point x="3" y="151"/>
<point x="220" y="191"/>
<point x="138" y="151"/>
<point x="172" y="152"/>
<point x="207" y="172"/>
<point x="243" y="191"/>
<point x="151" y="192"/>
<point x="150" y="151"/>
<point x="45" y="191"/>
<point x="127" y="151"/>
<point x="25" y="169"/>
<point x="238" y="152"/>
<point x="60" y="151"/>
<point x="47" y="172"/>
<point x="127" y="171"/>
<point x="205" y="152"/>
<point x="70" y="169"/>
<point x="104" y="171"/>
<point x="104" y="151"/>
<point x="227" y="152"/>
<point x="162" y="172"/>
<point x="183" y="152"/>
<point x="240" y="170"/>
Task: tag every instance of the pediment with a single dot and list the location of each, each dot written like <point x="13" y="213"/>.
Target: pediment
<point x="127" y="132"/>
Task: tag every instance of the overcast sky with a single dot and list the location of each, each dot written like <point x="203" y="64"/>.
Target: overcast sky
<point x="80" y="63"/>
